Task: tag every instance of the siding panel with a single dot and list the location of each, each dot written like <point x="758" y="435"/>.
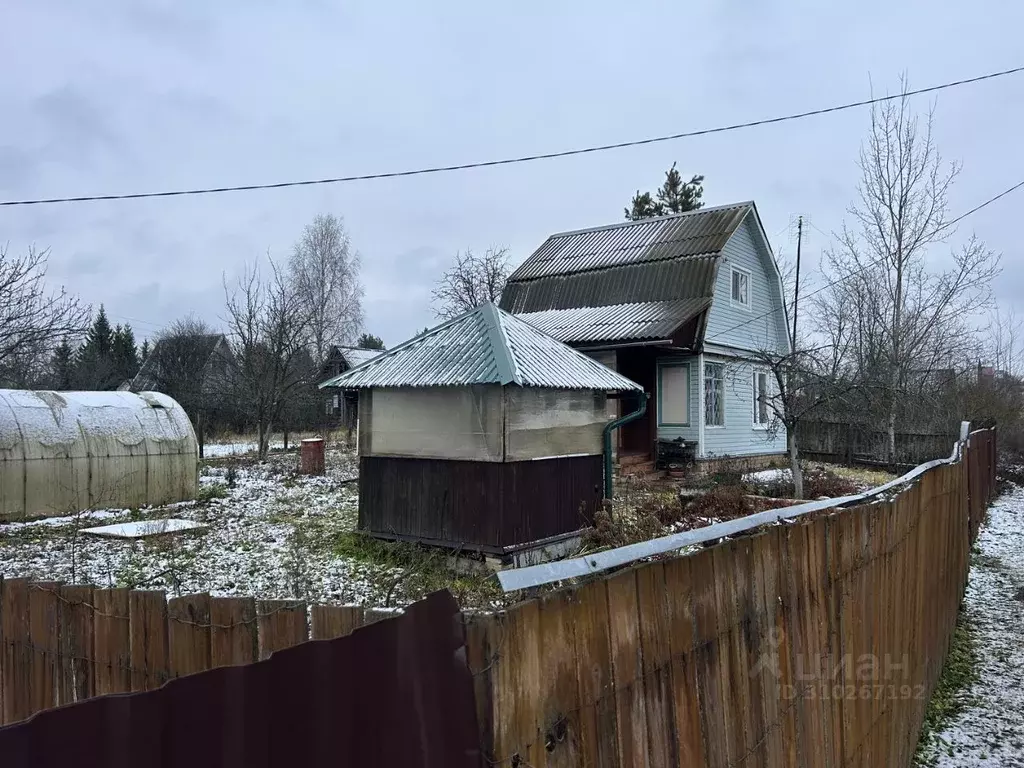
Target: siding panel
<point x="739" y="437"/>
<point x="761" y="326"/>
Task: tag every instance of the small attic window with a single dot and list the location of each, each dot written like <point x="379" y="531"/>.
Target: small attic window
<point x="741" y="288"/>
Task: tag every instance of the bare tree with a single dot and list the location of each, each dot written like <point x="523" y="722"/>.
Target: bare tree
<point x="909" y="317"/>
<point x="33" y="320"/>
<point x="190" y="363"/>
<point x="268" y="328"/>
<point x="324" y="273"/>
<point x="471" y="281"/>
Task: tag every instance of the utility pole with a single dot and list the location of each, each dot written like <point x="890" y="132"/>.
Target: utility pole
<point x="796" y="290"/>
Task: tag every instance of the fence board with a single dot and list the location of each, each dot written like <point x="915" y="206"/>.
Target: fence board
<point x="112" y="643"/>
<point x="656" y="669"/>
<point x="331" y="621"/>
<point x="598" y="729"/>
<point x="147" y="612"/>
<point x="482" y="646"/>
<point x="17" y="650"/>
<point x="188" y="634"/>
<point x="76" y="648"/>
<point x="627" y="668"/>
<point x="560" y="717"/>
<point x="44" y="637"/>
<point x="518" y="687"/>
<point x="282" y="624"/>
<point x="233" y="634"/>
<point x="689" y="741"/>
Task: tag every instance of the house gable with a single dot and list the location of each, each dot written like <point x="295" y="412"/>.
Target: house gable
<point x="759" y="323"/>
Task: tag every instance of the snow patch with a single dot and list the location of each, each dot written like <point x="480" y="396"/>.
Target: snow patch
<point x="768" y="477"/>
<point x="144" y="528"/>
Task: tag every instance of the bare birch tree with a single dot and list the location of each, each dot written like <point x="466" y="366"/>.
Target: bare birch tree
<point x="324" y="272"/>
<point x="471" y="281"/>
<point x="268" y="330"/>
<point x="33" y="319"/>
<point x="909" y="316"/>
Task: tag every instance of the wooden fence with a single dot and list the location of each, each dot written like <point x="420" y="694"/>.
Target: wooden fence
<point x="61" y="644"/>
<point x="848" y="443"/>
<point x="394" y="693"/>
<point x="813" y="643"/>
<point x="816" y="642"/>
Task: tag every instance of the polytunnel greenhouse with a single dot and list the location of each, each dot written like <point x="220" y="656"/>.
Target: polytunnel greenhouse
<point x="64" y="452"/>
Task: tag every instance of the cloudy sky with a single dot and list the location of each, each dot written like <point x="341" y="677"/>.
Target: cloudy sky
<point x="134" y="95"/>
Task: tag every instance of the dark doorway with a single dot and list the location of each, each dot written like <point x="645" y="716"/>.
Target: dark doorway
<point x="638" y="364"/>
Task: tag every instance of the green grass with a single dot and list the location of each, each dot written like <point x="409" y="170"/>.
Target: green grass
<point x="950" y="697"/>
<point x="406" y="572"/>
<point x="210" y="491"/>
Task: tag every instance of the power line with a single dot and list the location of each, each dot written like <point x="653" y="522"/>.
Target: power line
<point x="839" y="280"/>
<point x="519" y="159"/>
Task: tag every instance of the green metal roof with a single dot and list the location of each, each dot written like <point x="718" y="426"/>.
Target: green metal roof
<point x="484" y="346"/>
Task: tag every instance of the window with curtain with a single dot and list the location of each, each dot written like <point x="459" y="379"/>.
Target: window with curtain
<point x="714" y="394"/>
<point x="674" y="394"/>
<point x="761" y="394"/>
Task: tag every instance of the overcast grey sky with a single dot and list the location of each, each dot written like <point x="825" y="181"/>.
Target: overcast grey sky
<point x="128" y="95"/>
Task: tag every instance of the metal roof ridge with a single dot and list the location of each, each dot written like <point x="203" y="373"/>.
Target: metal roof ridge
<point x="389" y="353"/>
<point x="622" y="224"/>
<point x="501" y="345"/>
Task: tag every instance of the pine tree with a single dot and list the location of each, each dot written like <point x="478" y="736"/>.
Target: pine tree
<point x="673" y="196"/>
<point x="143" y="352"/>
<point x="95" y="368"/>
<point x="124" y="354"/>
<point x="63" y="367"/>
<point x="369" y="341"/>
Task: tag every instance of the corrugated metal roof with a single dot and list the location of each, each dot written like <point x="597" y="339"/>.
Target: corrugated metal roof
<point x="670" y="280"/>
<point x="483" y="346"/>
<point x="695" y="233"/>
<point x="618" y="322"/>
<point x="357" y="355"/>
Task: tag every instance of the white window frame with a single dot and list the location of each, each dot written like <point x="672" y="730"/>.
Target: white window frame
<point x="720" y="366"/>
<point x="689" y="374"/>
<point x="756" y="412"/>
<point x="732" y="281"/>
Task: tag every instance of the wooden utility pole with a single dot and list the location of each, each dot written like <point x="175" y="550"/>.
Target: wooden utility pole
<point x="796" y="289"/>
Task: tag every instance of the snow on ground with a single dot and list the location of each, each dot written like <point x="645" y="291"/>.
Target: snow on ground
<point x="768" y="477"/>
<point x="990" y="731"/>
<point x="221" y="450"/>
<point x="273" y="535"/>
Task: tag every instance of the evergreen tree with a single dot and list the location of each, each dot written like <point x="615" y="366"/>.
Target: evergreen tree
<point x="63" y="367"/>
<point x="369" y="341"/>
<point x="124" y="354"/>
<point x="143" y="352"/>
<point x="674" y="196"/>
<point x="95" y="367"/>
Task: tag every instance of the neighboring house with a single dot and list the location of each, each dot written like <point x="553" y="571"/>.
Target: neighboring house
<point x="341" y="407"/>
<point x="683" y="305"/>
<point x="171" y="359"/>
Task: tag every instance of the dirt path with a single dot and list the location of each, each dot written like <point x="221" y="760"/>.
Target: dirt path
<point x="990" y="731"/>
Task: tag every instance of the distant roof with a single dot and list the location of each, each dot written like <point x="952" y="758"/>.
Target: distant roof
<point x="484" y="346"/>
<point x="148" y="375"/>
<point x="357" y="355"/>
<point x="666" y="264"/>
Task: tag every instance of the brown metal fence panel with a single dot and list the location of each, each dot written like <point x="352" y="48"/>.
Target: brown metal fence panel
<point x="812" y="643"/>
<point x="394" y="693"/>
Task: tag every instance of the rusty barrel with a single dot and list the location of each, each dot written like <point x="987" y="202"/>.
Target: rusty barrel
<point x="311" y="456"/>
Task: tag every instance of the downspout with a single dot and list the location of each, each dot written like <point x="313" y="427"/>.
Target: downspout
<point x="613" y="425"/>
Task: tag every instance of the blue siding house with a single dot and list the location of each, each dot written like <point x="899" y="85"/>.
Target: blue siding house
<point x="685" y="305"/>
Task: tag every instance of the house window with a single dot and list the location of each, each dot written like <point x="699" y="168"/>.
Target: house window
<point x="674" y="394"/>
<point x="741" y="288"/>
<point x="714" y="394"/>
<point x="761" y="395"/>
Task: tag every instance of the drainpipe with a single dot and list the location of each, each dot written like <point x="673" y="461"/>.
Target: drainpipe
<point x="613" y="425"/>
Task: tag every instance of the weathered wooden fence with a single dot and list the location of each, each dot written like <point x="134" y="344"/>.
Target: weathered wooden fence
<point x="394" y="693"/>
<point x="854" y="443"/>
<point x="816" y="642"/>
<point x="61" y="644"/>
<point x="813" y="643"/>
